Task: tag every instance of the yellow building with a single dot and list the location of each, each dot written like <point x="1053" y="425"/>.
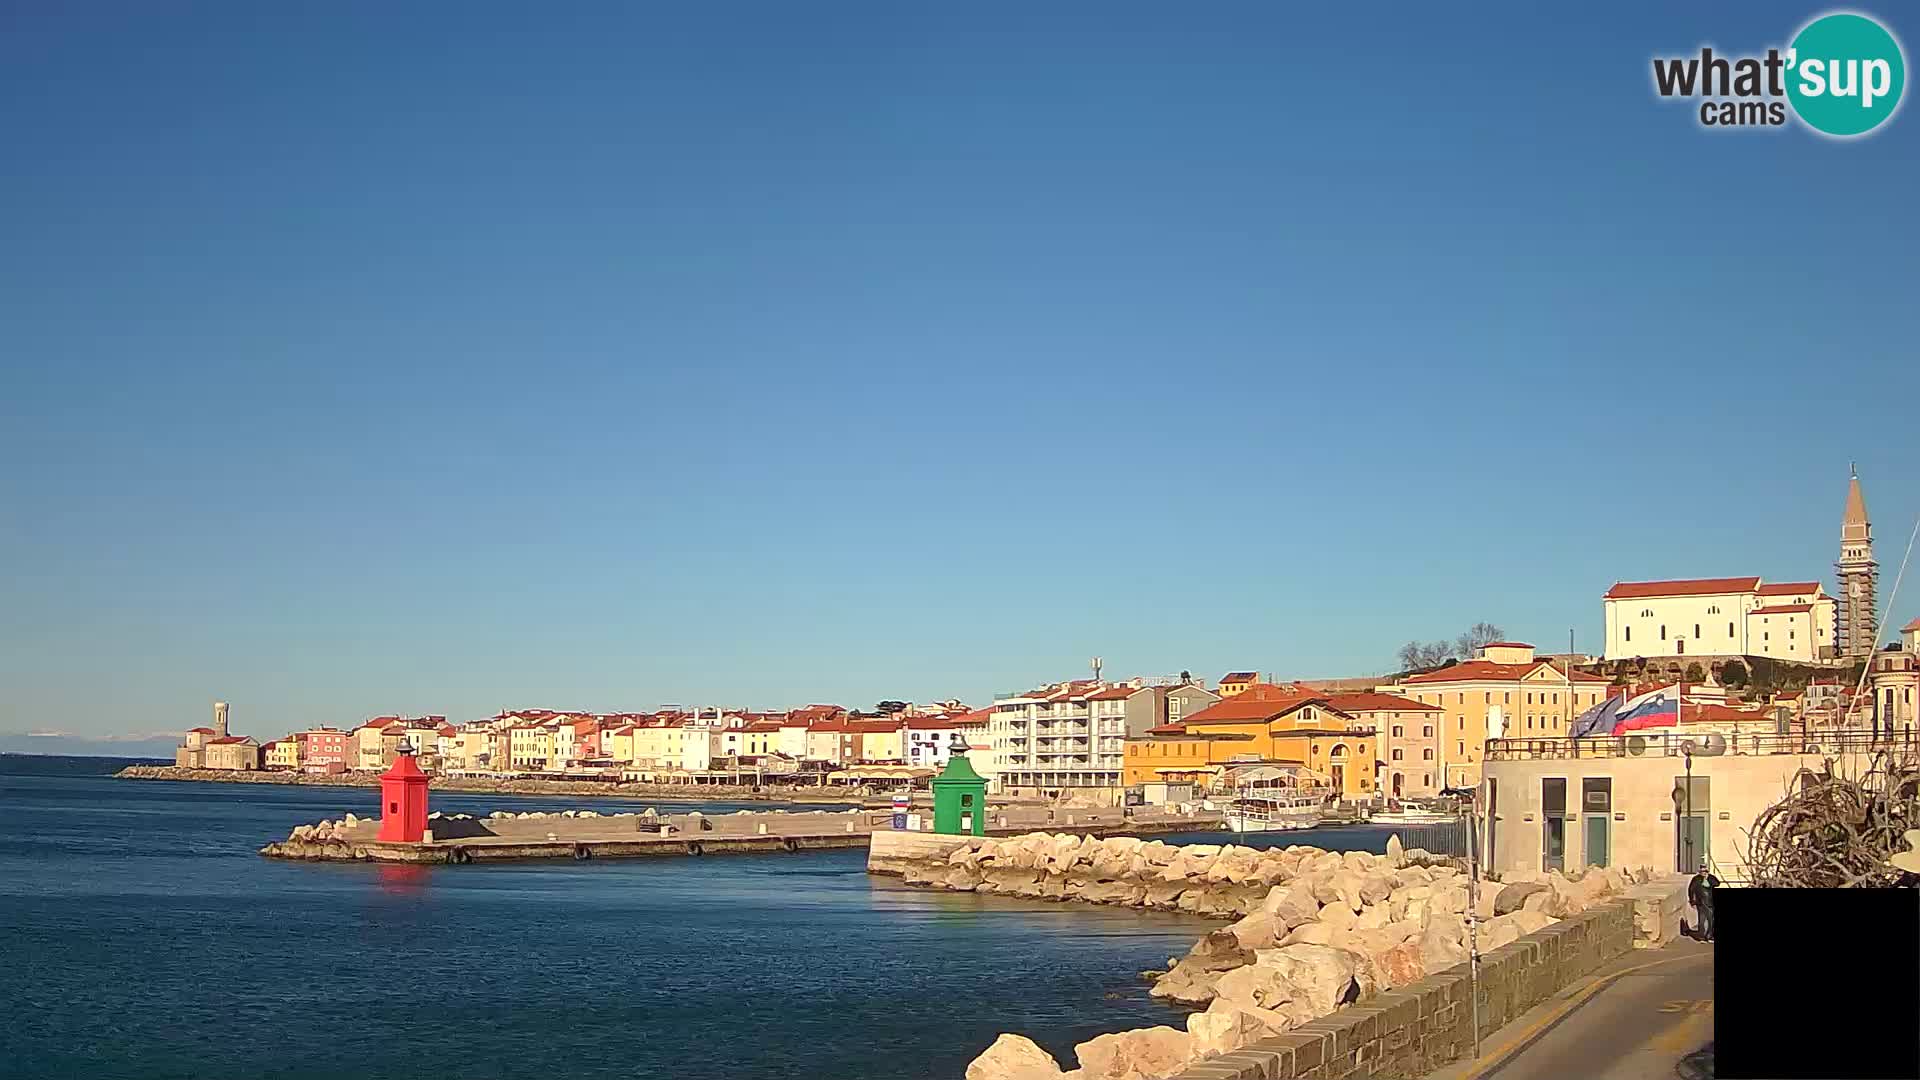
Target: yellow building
<point x="1234" y="683"/>
<point x="618" y="744"/>
<point x="375" y="743"/>
<point x="529" y="747"/>
<point x="762" y="737"/>
<point x="879" y="740"/>
<point x="283" y="754"/>
<point x="1502" y="693"/>
<point x="661" y="745"/>
<point x="1262" y="724"/>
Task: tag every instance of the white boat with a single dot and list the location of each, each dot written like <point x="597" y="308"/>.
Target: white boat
<point x="1409" y="817"/>
<point x="1277" y="810"/>
<point x="1398" y="813"/>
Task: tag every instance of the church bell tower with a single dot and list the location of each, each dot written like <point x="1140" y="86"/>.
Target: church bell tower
<point x="1858" y="631"/>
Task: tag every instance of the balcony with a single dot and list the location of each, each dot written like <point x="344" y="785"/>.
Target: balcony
<point x="1672" y="744"/>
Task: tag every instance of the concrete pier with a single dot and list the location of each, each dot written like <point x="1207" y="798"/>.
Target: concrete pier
<point x="585" y="835"/>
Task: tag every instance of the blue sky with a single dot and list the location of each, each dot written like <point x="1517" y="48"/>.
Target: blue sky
<point x="438" y="358"/>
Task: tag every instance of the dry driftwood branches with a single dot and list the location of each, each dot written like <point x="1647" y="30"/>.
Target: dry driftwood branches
<point x="1836" y="831"/>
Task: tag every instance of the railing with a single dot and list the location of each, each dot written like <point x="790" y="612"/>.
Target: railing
<point x="1700" y="744"/>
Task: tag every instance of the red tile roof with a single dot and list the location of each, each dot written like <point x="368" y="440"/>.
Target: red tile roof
<point x="1507" y="645"/>
<point x="1240" y="676"/>
<point x="1114" y="693"/>
<point x="1788" y="588"/>
<point x="1914" y="625"/>
<point x="1783" y="609"/>
<point x="976" y="718"/>
<point x="1488" y="671"/>
<point x="1373" y="702"/>
<point x="229" y="740"/>
<point x="201" y="730"/>
<point x="1634" y="590"/>
<point x="873" y="727"/>
<point x="934" y="723"/>
<point x="1261" y="701"/>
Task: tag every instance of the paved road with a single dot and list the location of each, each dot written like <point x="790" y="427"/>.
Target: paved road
<point x="1653" y="1021"/>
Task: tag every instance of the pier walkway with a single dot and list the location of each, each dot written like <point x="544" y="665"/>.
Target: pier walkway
<point x="556" y="836"/>
<point x="1647" y="1014"/>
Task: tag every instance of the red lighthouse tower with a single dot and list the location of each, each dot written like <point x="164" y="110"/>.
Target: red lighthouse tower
<point x="403" y="802"/>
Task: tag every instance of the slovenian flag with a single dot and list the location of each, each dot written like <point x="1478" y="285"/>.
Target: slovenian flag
<point x="1656" y="708"/>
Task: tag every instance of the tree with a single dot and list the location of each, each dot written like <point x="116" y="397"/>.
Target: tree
<point x="1734" y="674"/>
<point x="1422" y="655"/>
<point x="1478" y="636"/>
<point x="888" y="708"/>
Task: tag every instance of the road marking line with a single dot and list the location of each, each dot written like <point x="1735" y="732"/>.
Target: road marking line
<point x="1498" y="1056"/>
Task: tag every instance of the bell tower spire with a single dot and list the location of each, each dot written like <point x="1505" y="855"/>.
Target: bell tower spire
<point x="1858" y="630"/>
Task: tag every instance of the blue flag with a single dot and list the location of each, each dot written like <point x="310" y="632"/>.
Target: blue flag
<point x="1600" y="719"/>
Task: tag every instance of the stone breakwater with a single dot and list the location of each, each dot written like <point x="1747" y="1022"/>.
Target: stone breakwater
<point x="1314" y="930"/>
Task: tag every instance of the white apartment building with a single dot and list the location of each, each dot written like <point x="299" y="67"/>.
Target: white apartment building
<point x="1073" y="735"/>
<point x="1718" y="617"/>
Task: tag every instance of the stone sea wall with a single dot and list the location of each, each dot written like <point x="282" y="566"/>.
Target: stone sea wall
<point x="1314" y="931"/>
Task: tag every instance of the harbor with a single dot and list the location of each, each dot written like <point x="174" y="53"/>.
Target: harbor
<point x="408" y="832"/>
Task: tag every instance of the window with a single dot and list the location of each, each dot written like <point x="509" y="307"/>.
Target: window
<point x="1488" y="696"/>
<point x="1714" y="610"/>
<point x="1646" y="613"/>
<point x="1663" y="631"/>
<point x="1553" y="813"/>
<point x="1629" y="633"/>
<point x="1396" y="754"/>
<point x="1427" y="731"/>
<point x="1427" y="779"/>
<point x="1696" y="631"/>
<point x="1398" y="731"/>
<point x="1529" y="699"/>
<point x="1462" y="747"/>
<point x="1427" y="754"/>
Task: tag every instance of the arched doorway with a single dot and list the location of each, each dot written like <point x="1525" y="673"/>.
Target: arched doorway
<point x="1397" y="780"/>
<point x="1337" y="766"/>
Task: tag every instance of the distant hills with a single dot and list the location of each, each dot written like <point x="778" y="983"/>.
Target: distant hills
<point x="83" y="746"/>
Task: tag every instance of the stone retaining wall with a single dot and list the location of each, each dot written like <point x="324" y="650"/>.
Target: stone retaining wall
<point x="1412" y="1031"/>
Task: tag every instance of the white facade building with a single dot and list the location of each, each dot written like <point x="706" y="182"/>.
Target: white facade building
<point x="1716" y="617"/>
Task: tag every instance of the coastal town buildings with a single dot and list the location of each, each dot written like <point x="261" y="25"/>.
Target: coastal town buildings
<point x="234" y="753"/>
<point x="1503" y="691"/>
<point x="1407" y="740"/>
<point x="1236" y="682"/>
<point x="323" y="750"/>
<point x="1718" y="618"/>
<point x="1071" y="737"/>
<point x="1264" y="724"/>
<point x="282" y="754"/>
<point x="216" y="748"/>
<point x="1894" y="676"/>
<point x="1673" y="799"/>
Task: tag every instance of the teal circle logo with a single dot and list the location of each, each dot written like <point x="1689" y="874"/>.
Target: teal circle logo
<point x="1845" y="74"/>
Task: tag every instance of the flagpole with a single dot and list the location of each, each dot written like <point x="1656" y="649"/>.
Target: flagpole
<point x="1569" y="681"/>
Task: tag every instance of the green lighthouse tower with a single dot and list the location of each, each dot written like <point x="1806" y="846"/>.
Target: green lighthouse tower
<point x="960" y="799"/>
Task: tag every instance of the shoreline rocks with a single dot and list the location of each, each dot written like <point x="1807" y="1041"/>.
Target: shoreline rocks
<point x="1313" y="931"/>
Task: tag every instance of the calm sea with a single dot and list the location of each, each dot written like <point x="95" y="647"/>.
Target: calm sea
<point x="143" y="937"/>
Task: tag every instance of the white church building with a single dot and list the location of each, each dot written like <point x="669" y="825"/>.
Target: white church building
<point x="1716" y="617"/>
